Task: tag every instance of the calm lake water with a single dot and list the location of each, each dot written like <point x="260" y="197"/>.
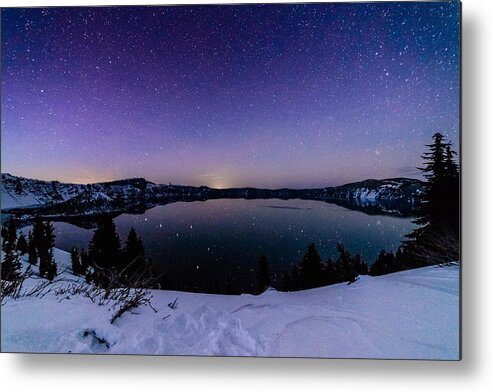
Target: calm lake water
<point x="203" y="245"/>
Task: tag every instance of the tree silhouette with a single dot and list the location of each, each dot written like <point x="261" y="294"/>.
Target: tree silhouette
<point x="384" y="264"/>
<point x="346" y="265"/>
<point x="44" y="238"/>
<point x="11" y="265"/>
<point x="38" y="235"/>
<point x="51" y="270"/>
<point x="437" y="238"/>
<point x="135" y="265"/>
<point x="331" y="274"/>
<point x="104" y="248"/>
<point x="311" y="268"/>
<point x="75" y="260"/>
<point x="31" y="251"/>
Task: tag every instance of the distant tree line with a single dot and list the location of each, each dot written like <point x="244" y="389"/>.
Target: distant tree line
<point x="312" y="272"/>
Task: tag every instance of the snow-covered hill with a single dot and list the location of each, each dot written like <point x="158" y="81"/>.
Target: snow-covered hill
<point x="403" y="190"/>
<point x="23" y="197"/>
<point x="25" y="192"/>
<point x="410" y="314"/>
<point x="61" y="199"/>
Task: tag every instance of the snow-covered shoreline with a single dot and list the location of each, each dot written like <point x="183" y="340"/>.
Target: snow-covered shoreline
<point x="412" y="314"/>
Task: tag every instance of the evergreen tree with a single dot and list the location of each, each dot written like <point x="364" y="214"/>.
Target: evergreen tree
<point x="451" y="167"/>
<point x="11" y="266"/>
<point x="104" y="253"/>
<point x="331" y="275"/>
<point x="263" y="273"/>
<point x="46" y="252"/>
<point x="12" y="233"/>
<point x="51" y="270"/>
<point x="9" y="235"/>
<point x="32" y="253"/>
<point x="311" y="268"/>
<point x="360" y="265"/>
<point x="346" y="266"/>
<point x="44" y="264"/>
<point x="75" y="260"/>
<point x="104" y="248"/>
<point x="437" y="238"/>
<point x="38" y="234"/>
<point x="44" y="237"/>
<point x="133" y="249"/>
<point x="452" y="180"/>
<point x="384" y="264"/>
<point x="435" y="171"/>
<point x="22" y="246"/>
<point x="136" y="266"/>
<point x="49" y="235"/>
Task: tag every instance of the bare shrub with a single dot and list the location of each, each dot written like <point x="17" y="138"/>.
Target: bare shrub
<point x="435" y="247"/>
<point x="121" y="298"/>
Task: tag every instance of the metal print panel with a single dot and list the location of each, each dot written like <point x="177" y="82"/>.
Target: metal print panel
<point x="274" y="180"/>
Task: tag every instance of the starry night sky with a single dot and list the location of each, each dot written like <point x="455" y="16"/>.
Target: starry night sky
<point x="270" y="96"/>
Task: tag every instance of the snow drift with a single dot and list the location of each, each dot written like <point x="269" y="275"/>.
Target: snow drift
<point x="412" y="314"/>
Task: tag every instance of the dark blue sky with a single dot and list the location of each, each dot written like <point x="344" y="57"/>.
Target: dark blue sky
<point x="261" y="95"/>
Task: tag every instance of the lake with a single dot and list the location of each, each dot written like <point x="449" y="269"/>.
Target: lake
<point x="206" y="245"/>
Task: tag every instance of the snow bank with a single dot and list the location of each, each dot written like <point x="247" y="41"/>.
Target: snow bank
<point x="411" y="314"/>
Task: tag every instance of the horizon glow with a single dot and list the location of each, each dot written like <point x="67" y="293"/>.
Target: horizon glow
<point x="267" y="96"/>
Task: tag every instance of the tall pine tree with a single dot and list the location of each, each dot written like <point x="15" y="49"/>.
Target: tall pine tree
<point x="52" y="269"/>
<point x="75" y="261"/>
<point x="105" y="255"/>
<point x="104" y="248"/>
<point x="11" y="266"/>
<point x="44" y="238"/>
<point x="31" y="249"/>
<point x="437" y="238"/>
<point x="311" y="268"/>
<point x="135" y="265"/>
<point x="38" y="234"/>
<point x="347" y="266"/>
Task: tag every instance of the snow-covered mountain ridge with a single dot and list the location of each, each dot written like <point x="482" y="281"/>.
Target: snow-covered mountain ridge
<point x="23" y="196"/>
<point x="404" y="190"/>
